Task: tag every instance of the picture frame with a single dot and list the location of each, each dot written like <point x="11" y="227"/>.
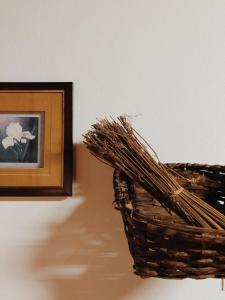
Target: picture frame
<point x="36" y="148"/>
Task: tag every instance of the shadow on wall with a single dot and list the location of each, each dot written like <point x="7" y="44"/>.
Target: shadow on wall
<point x="87" y="254"/>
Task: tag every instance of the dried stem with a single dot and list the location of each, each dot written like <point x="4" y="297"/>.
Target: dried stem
<point x="119" y="145"/>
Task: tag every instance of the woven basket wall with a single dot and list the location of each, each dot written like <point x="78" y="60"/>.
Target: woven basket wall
<point x="162" y="244"/>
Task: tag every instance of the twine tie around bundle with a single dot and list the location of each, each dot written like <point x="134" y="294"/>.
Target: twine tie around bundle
<point x="176" y="193"/>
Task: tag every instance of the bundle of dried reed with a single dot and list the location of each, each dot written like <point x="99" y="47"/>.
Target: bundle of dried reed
<point x="119" y="145"/>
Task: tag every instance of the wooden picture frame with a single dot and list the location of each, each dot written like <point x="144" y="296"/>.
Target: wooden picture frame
<point x="36" y="149"/>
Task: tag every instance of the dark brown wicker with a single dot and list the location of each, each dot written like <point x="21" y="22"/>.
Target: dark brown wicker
<point x="161" y="243"/>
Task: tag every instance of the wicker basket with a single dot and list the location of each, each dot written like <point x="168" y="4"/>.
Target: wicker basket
<point x="161" y="243"/>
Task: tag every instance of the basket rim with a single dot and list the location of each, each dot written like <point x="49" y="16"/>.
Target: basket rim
<point x="197" y="166"/>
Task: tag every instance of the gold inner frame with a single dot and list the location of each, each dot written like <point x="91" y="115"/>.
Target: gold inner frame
<point x="51" y="102"/>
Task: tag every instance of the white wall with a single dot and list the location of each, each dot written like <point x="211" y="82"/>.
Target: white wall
<point x="162" y="60"/>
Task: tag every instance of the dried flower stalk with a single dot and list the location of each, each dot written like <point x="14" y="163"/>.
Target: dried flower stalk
<point x="119" y="145"/>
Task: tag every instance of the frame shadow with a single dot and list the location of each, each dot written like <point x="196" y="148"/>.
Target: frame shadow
<point x="87" y="256"/>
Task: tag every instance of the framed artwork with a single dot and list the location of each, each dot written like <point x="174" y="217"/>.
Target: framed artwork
<point x="36" y="149"/>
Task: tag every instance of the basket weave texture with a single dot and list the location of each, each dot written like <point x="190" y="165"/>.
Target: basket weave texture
<point x="160" y="242"/>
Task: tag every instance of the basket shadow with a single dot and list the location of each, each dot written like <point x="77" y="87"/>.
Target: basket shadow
<point x="87" y="256"/>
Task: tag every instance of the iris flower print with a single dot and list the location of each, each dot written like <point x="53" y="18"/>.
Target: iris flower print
<point x="15" y="138"/>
